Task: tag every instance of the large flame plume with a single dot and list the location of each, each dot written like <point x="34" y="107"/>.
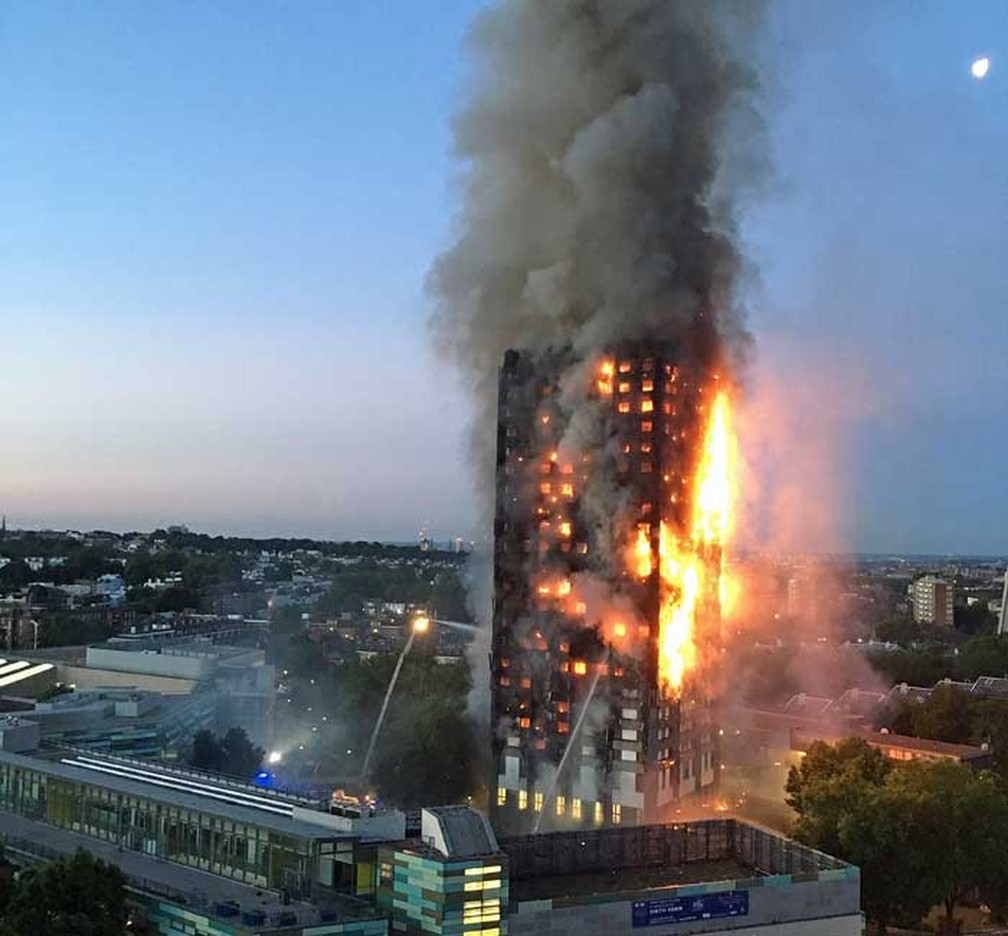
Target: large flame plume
<point x="692" y="567"/>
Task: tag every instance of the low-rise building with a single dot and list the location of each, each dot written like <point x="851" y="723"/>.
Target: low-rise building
<point x="210" y="857"/>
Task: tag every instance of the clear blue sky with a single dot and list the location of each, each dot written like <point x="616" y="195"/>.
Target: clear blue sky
<point x="217" y="218"/>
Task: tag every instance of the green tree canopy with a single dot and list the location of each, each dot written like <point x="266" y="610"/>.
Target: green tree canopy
<point x="922" y="833"/>
<point x="76" y="896"/>
<point x="233" y="753"/>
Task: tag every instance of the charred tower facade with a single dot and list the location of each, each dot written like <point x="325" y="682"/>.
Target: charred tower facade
<point x="607" y="601"/>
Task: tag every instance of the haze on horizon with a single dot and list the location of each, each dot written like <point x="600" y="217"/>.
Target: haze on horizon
<point x="218" y="220"/>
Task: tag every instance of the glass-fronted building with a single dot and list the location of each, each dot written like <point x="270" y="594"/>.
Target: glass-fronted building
<point x="232" y="830"/>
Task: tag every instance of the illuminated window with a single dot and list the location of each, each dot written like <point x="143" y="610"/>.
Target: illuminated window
<point x="647" y="385"/>
<point x="624" y="386"/>
<point x="537" y="801"/>
<point x="505" y="681"/>
<point x="626" y="448"/>
<point x="501" y="796"/>
<point x="545" y="487"/>
<point x="580" y="667"/>
<point x="524" y="722"/>
<point x="623" y="406"/>
<point x="581" y="608"/>
<point x="646" y="448"/>
<point x="561" y="805"/>
<point x="619" y="629"/>
<point x="564" y="588"/>
<point x="562" y="727"/>
<point x="647" y="406"/>
<point x="567" y="490"/>
<point x="575" y="809"/>
<point x="617" y="813"/>
<point x="522" y="801"/>
<point x="624" y="367"/>
<point x="646" y="425"/>
<point x="565" y="529"/>
<point x="582" y="548"/>
<point x="526" y="682"/>
<point x="643" y="630"/>
<point x="598" y="814"/>
<point x="567" y="469"/>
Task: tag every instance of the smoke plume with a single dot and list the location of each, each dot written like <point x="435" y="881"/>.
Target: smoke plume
<point x="606" y="144"/>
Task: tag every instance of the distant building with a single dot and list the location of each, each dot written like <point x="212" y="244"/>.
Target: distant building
<point x="1003" y="610"/>
<point x="932" y="600"/>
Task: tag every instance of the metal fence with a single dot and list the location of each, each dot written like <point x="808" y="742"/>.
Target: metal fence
<point x="712" y="840"/>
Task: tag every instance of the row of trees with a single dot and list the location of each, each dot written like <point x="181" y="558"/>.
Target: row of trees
<point x="923" y="834"/>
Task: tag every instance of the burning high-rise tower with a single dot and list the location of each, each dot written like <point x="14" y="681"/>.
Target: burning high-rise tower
<point x="607" y="576"/>
<point x="596" y="260"/>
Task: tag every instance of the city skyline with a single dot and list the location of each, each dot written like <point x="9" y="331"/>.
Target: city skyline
<point x="212" y="273"/>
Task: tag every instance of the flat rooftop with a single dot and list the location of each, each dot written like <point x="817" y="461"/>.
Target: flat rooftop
<point x="189" y="790"/>
<point x="636" y="861"/>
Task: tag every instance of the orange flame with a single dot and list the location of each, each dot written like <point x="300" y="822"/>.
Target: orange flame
<point x="605" y="378"/>
<point x="691" y="566"/>
<point x="712" y="508"/>
<point x="641" y="561"/>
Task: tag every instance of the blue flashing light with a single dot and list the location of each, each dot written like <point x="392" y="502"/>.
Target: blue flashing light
<point x="264" y="779"/>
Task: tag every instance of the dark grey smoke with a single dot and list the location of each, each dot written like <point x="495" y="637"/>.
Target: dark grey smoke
<point x="606" y="143"/>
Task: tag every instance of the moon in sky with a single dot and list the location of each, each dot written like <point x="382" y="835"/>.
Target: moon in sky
<point x="980" y="67"/>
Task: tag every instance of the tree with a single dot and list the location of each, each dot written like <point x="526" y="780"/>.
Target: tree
<point x="828" y="783"/>
<point x="922" y="833"/>
<point x="967" y="827"/>
<point x="887" y="834"/>
<point x="900" y="628"/>
<point x="947" y="715"/>
<point x="207" y="753"/>
<point x="76" y="896"/>
<point x="241" y="757"/>
<point x="427" y="751"/>
<point x="984" y="656"/>
<point x="232" y="754"/>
